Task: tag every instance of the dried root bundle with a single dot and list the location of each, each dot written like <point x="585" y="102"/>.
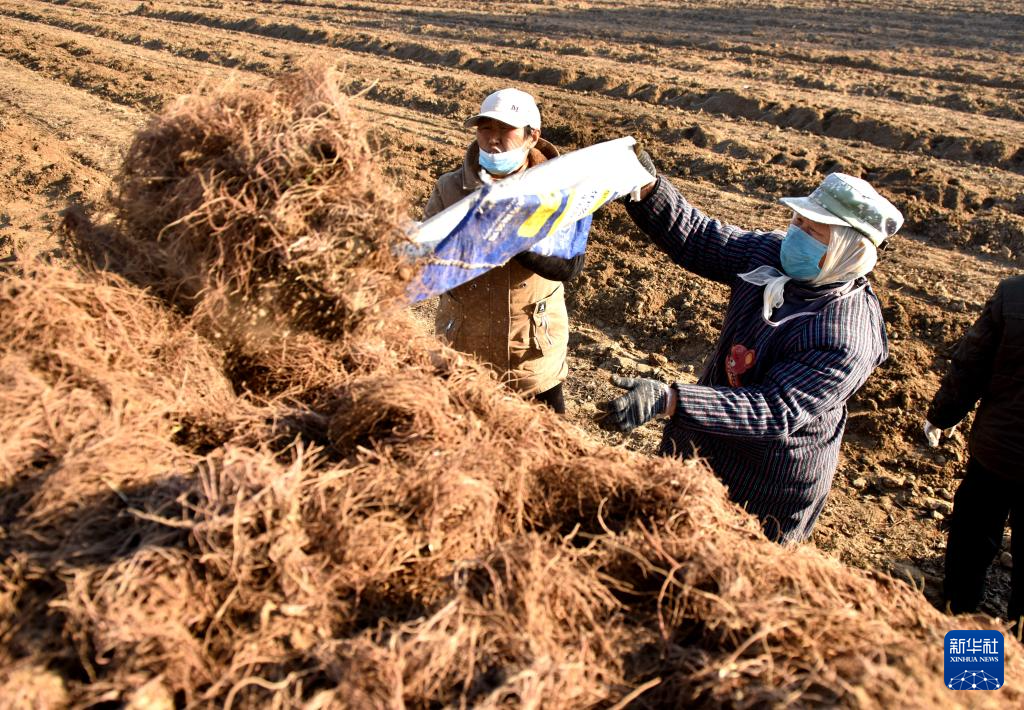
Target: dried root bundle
<point x="259" y="210"/>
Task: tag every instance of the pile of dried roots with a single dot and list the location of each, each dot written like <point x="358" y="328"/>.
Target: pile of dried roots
<point x="341" y="513"/>
<point x="256" y="211"/>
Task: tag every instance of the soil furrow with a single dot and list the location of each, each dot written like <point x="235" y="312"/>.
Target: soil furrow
<point x="153" y="41"/>
<point x="720" y="147"/>
<point x="844" y="123"/>
<point x="886" y="60"/>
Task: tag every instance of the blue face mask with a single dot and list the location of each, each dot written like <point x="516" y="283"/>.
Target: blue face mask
<point x="503" y="163"/>
<point x="801" y="253"/>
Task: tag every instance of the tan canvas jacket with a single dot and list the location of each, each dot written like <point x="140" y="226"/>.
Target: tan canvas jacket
<point x="509" y="317"/>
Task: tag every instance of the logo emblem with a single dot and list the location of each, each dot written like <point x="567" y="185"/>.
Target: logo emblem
<point x="974" y="660"/>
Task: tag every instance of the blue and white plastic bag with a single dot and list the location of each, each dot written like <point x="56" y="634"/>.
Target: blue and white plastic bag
<point x="546" y="210"/>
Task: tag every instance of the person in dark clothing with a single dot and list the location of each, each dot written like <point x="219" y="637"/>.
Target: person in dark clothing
<point x="513" y="318"/>
<point x="802" y="332"/>
<point x="987" y="366"/>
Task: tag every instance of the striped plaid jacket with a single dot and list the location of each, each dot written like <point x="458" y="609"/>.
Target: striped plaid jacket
<point x="769" y="409"/>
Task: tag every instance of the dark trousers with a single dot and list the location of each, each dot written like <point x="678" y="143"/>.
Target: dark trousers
<point x="553" y="398"/>
<point x="981" y="506"/>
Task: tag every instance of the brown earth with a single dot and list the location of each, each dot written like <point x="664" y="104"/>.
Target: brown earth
<point x="740" y="103"/>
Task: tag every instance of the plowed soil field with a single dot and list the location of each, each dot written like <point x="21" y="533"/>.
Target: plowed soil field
<point x="740" y="102"/>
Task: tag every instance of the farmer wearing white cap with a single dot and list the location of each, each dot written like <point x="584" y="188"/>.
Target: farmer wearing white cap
<point x="802" y="333"/>
<point x="513" y="317"/>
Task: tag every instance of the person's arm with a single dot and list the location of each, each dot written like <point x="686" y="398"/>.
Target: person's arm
<point x="795" y="391"/>
<point x="552" y="268"/>
<point x="822" y="370"/>
<point x="691" y="239"/>
<point x="971" y="368"/>
<point x="434" y="204"/>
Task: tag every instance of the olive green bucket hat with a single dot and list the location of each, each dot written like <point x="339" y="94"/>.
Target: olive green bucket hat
<point x="844" y="200"/>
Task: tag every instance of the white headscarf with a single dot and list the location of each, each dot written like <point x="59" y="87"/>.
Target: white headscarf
<point x="850" y="255"/>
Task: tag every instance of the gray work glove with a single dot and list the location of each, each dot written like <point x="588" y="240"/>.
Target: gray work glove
<point x="645" y="400"/>
<point x="645" y="159"/>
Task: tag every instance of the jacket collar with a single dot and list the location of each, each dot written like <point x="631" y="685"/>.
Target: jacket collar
<point x="806" y="292"/>
<point x="471" y="162"/>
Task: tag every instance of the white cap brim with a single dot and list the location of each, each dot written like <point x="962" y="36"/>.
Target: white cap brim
<point x="806" y="207"/>
<point x="508" y="118"/>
